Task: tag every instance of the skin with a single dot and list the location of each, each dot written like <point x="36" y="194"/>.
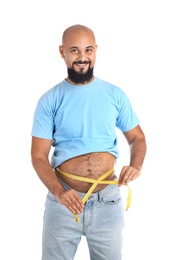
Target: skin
<point x="78" y="44"/>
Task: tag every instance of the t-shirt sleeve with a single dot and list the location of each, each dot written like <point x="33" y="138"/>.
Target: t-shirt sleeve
<point x="127" y="118"/>
<point x="43" y="120"/>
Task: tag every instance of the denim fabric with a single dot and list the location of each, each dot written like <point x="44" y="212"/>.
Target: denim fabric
<point x="101" y="222"/>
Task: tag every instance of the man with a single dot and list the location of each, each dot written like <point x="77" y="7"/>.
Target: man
<point x="78" y="117"/>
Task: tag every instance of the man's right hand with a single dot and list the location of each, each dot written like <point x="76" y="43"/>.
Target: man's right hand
<point x="72" y="200"/>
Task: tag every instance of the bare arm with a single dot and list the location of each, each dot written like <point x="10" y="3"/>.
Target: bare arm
<point x="137" y="143"/>
<point x="40" y="152"/>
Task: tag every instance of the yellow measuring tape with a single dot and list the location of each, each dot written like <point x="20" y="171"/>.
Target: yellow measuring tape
<point x="95" y="183"/>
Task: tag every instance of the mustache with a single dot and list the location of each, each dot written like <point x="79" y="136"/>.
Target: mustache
<point x="81" y="62"/>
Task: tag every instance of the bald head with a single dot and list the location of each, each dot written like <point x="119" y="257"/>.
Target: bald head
<point x="76" y="30"/>
<point x="78" y="50"/>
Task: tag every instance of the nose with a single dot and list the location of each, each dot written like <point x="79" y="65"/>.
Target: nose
<point x="82" y="56"/>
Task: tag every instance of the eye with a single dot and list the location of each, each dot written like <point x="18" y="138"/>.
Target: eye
<point x="74" y="50"/>
<point x="88" y="50"/>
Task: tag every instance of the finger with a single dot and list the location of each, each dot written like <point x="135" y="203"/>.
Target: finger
<point x="126" y="175"/>
<point x="74" y="202"/>
<point x="131" y="176"/>
<point x="77" y="203"/>
<point x="123" y="175"/>
<point x="74" y="208"/>
<point x="70" y="206"/>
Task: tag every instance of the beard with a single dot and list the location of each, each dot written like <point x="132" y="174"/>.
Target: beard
<point x="80" y="77"/>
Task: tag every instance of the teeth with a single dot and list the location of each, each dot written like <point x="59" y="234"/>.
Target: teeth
<point x="81" y="64"/>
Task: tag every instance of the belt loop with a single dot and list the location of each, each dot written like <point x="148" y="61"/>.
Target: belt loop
<point x="99" y="197"/>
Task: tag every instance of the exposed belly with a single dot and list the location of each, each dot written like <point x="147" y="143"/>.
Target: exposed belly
<point x="92" y="166"/>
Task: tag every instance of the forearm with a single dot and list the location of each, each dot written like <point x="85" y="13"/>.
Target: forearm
<point x="47" y="175"/>
<point x="137" y="153"/>
<point x="137" y="144"/>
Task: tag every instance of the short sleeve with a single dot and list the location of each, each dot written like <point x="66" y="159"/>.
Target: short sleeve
<point x="43" y="120"/>
<point x="127" y="118"/>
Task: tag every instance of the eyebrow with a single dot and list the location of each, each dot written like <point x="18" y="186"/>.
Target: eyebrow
<point x="75" y="47"/>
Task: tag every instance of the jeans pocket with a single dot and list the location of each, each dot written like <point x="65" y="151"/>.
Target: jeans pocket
<point x="51" y="197"/>
<point x="112" y="198"/>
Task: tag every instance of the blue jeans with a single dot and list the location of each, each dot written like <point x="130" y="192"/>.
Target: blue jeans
<point x="101" y="222"/>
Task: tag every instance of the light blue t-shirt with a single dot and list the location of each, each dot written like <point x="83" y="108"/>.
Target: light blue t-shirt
<point x="83" y="119"/>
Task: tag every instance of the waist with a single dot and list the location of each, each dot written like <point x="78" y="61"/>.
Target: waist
<point x="83" y="184"/>
<point x="94" y="196"/>
<point x="92" y="165"/>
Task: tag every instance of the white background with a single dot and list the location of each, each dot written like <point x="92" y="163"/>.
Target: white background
<point x="133" y="53"/>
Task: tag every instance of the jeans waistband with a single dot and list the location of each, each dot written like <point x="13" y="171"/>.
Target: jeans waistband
<point x="96" y="196"/>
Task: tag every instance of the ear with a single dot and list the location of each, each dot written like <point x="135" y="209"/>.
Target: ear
<point x="61" y="51"/>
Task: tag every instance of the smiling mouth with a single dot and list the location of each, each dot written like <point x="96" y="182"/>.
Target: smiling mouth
<point x="81" y="64"/>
